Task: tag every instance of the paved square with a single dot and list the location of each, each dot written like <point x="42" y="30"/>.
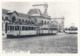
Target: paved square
<point x="60" y="43"/>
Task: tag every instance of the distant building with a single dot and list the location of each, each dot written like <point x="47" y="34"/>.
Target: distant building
<point x="60" y="22"/>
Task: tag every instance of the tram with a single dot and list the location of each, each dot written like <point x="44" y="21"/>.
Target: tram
<point x="71" y="30"/>
<point x="20" y="30"/>
<point x="15" y="30"/>
<point x="46" y="29"/>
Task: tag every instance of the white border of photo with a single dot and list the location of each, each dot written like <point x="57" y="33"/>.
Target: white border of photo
<point x="2" y="53"/>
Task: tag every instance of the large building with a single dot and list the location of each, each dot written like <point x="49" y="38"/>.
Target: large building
<point x="33" y="17"/>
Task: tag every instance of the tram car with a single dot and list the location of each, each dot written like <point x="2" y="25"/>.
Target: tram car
<point x="21" y="30"/>
<point x="17" y="30"/>
<point x="46" y="29"/>
<point x="71" y="30"/>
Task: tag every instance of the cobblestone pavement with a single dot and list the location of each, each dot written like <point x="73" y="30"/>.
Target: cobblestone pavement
<point x="60" y="43"/>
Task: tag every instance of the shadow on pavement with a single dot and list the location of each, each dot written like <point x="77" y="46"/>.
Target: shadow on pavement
<point x="30" y="36"/>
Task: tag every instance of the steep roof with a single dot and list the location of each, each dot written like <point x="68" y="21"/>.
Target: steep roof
<point x="37" y="12"/>
<point x="34" y="11"/>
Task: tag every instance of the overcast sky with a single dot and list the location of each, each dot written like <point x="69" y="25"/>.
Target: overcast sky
<point x="69" y="10"/>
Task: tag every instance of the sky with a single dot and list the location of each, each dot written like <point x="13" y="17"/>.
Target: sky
<point x="68" y="10"/>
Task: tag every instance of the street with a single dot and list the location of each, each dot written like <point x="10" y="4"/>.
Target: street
<point x="60" y="43"/>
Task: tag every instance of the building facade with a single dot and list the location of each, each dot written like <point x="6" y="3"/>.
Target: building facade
<point x="38" y="17"/>
<point x="33" y="17"/>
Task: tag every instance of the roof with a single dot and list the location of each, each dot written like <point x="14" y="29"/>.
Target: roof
<point x="22" y="15"/>
<point x="37" y="12"/>
<point x="5" y="11"/>
<point x="34" y="11"/>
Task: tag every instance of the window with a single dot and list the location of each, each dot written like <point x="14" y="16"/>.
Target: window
<point x="19" y="20"/>
<point x="22" y="20"/>
<point x="44" y="22"/>
<point x="41" y="22"/>
<point x="26" y="21"/>
<point x="32" y="28"/>
<point x="45" y="28"/>
<point x="13" y="19"/>
<point x="24" y="28"/>
<point x="54" y="28"/>
<point x="10" y="27"/>
<point x="16" y="27"/>
<point x="75" y="29"/>
<point x="29" y="28"/>
<point x="6" y="18"/>
<point x="31" y="22"/>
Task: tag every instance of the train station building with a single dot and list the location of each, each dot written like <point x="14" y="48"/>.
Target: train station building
<point x="33" y="17"/>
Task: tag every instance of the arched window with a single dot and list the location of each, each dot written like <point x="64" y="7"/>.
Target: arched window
<point x="29" y="22"/>
<point x="13" y="19"/>
<point x="41" y="22"/>
<point x="19" y="21"/>
<point x="22" y="20"/>
<point x="45" y="22"/>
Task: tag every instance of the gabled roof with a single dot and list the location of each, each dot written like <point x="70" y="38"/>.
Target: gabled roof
<point x="9" y="12"/>
<point x="5" y="11"/>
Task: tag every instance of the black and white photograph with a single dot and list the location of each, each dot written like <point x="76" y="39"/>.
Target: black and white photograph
<point x="40" y="27"/>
